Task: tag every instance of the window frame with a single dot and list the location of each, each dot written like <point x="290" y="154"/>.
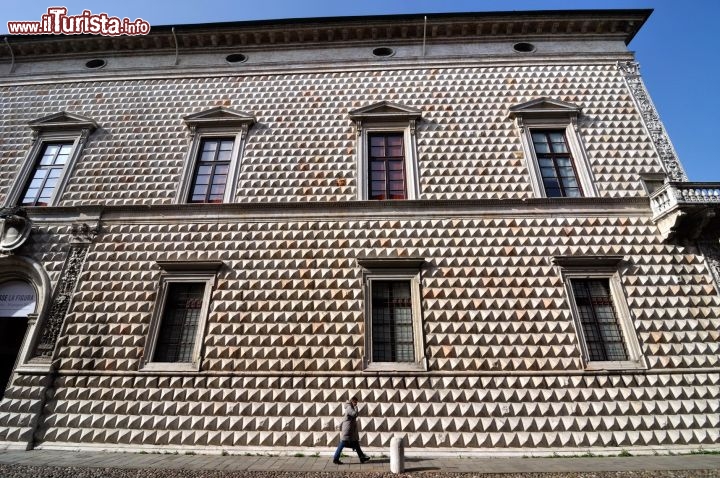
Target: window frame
<point x="63" y="127"/>
<point x="602" y="267"/>
<point x="386" y="117"/>
<point x="553" y="157"/>
<point x="199" y="272"/>
<point x="383" y="271"/>
<point x="216" y="123"/>
<point x="232" y="167"/>
<point x="545" y="114"/>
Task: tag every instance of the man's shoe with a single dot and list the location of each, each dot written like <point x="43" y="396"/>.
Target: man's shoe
<point x="364" y="458"/>
<point x="337" y="462"/>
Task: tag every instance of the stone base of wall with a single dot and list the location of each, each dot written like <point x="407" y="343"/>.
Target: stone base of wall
<point x="20" y="410"/>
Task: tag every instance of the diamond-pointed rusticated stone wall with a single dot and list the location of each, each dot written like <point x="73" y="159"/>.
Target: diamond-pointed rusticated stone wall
<point x="285" y="335"/>
<point x="303" y="145"/>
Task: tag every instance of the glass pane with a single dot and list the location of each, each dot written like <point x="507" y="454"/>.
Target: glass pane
<point x="557" y="137"/>
<point x="222" y="169"/>
<point x="394" y="140"/>
<point x="30" y="196"/>
<point x="209" y="146"/>
<point x="204" y="170"/>
<point x="545" y="163"/>
<point x="65" y="149"/>
<point x="377" y="151"/>
<point x="563" y="162"/>
<point x="377" y="141"/>
<point x="573" y="193"/>
<point x="226" y="145"/>
<point x="539" y="138"/>
<point x="207" y="156"/>
<point x="377" y="175"/>
<point x="541" y="148"/>
<point x="559" y="148"/>
<point x="202" y="179"/>
<point x="224" y="155"/>
<point x="54" y="173"/>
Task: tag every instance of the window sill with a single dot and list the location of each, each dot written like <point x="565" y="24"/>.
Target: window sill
<point x="170" y="367"/>
<point x="615" y="365"/>
<point x="396" y="367"/>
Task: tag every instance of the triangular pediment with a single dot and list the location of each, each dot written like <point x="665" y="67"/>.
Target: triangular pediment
<point x="385" y="110"/>
<point x="63" y="121"/>
<point x="545" y="107"/>
<point x="220" y="116"/>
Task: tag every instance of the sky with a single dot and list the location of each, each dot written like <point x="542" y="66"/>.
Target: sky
<point x="674" y="48"/>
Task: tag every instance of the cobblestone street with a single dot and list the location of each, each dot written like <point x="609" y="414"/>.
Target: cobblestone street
<point x="61" y="464"/>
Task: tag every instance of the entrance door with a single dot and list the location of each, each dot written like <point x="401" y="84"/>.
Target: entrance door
<point x="17" y="300"/>
<point x="12" y="332"/>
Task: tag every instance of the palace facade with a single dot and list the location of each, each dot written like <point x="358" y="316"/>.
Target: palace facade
<point x="214" y="235"/>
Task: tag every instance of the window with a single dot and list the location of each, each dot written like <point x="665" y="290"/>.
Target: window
<point x="211" y="173"/>
<point x="213" y="163"/>
<point x="58" y="140"/>
<point x="386" y="151"/>
<point x="178" y="321"/>
<point x="556" y="164"/>
<point x="393" y="325"/>
<point x="556" y="160"/>
<point x="598" y="318"/>
<point x="387" y="166"/>
<point x="52" y="161"/>
<point x="605" y="330"/>
<point x="179" y="324"/>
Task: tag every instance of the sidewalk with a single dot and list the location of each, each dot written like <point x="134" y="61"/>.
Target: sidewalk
<point x="376" y="465"/>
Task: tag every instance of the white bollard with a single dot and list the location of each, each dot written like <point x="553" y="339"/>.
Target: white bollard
<point x="397" y="454"/>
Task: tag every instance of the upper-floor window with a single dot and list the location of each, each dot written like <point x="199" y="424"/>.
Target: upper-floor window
<point x="554" y="153"/>
<point x="386" y="151"/>
<point x="48" y="170"/>
<point x="58" y="141"/>
<point x="214" y="159"/>
<point x="386" y="160"/>
<point x="556" y="163"/>
<point x="213" y="167"/>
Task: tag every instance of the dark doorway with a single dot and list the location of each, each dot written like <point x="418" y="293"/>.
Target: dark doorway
<point x="12" y="332"/>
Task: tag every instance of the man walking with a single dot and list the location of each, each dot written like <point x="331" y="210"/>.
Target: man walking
<point x="349" y="435"/>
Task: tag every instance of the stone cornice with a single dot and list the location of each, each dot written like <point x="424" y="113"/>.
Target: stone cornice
<point x="344" y="210"/>
<point x="618" y="24"/>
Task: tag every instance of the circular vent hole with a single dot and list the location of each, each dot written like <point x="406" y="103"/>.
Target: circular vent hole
<point x="95" y="64"/>
<point x="523" y="47"/>
<point x="383" y="51"/>
<point x="236" y="58"/>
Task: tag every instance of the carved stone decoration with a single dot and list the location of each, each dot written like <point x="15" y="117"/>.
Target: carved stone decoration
<point x="84" y="233"/>
<point x="711" y="251"/>
<point x="15" y="228"/>
<point x="52" y="324"/>
<point x="671" y="163"/>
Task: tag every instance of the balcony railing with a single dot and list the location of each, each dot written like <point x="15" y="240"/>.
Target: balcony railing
<point x="684" y="209"/>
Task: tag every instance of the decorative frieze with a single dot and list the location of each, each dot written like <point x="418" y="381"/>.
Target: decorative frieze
<point x="711" y="251"/>
<point x="631" y="72"/>
<point x="62" y="298"/>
